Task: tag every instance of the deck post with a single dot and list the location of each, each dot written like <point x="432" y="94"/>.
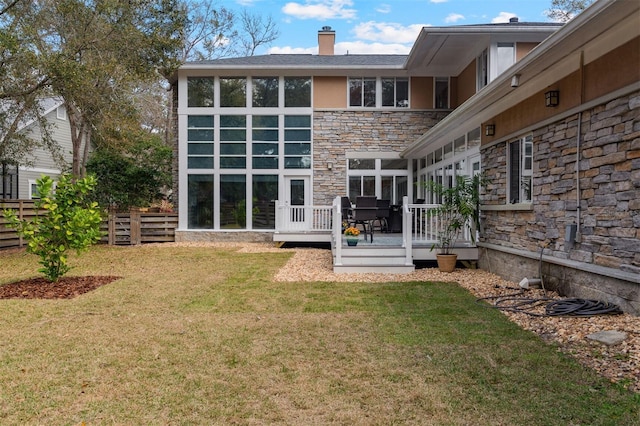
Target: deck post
<point x="337" y="230"/>
<point x="407" y="243"/>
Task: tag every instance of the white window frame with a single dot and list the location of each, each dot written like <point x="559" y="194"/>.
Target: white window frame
<point x="523" y="173"/>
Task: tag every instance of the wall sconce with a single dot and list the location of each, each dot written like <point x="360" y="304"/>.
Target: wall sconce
<point x="490" y="129"/>
<point x="329" y="166"/>
<point x="515" y="80"/>
<point x="552" y="98"/>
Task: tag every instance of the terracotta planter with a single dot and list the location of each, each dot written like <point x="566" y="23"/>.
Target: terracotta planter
<point x="447" y="262"/>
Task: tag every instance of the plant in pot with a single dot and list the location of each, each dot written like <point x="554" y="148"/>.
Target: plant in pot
<point x="458" y="208"/>
<point x="351" y="233"/>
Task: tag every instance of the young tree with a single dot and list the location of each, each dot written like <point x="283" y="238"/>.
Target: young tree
<point x="565" y="10"/>
<point x="71" y="222"/>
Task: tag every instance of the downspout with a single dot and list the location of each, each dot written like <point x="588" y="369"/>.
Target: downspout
<point x="578" y="237"/>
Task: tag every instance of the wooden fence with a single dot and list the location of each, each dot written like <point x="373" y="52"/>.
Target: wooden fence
<point x="130" y="228"/>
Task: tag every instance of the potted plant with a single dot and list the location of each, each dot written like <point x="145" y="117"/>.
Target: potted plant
<point x="352" y="235"/>
<point x="458" y="208"/>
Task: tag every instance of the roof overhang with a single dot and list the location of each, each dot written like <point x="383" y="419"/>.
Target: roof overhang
<point x="605" y="25"/>
<point x="448" y="50"/>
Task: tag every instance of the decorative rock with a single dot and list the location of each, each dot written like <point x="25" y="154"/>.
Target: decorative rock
<point x="608" y="337"/>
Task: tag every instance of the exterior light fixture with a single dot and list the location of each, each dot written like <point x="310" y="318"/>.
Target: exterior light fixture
<point x="329" y="165"/>
<point x="552" y="98"/>
<point x="515" y="80"/>
<point x="490" y="129"/>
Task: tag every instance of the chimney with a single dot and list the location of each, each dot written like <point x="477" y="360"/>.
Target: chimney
<point x="326" y="41"/>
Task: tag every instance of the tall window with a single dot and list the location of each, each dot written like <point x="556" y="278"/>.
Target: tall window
<point x="265" y="192"/>
<point x="265" y="138"/>
<point x="441" y="92"/>
<point x="520" y="166"/>
<point x="200" y="201"/>
<point x="297" y="141"/>
<point x="362" y="92"/>
<point x="233" y="136"/>
<point x="233" y="201"/>
<point x="200" y="141"/>
<point x="395" y="92"/>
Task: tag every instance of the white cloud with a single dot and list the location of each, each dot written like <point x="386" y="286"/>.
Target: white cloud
<point x="503" y="17"/>
<point x="246" y="3"/>
<point x="320" y="9"/>
<point x="293" y="50"/>
<point x="453" y="18"/>
<point x="383" y="8"/>
<point x="387" y="32"/>
<point x="438" y="1"/>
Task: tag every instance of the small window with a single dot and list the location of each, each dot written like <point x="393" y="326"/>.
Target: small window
<point x="520" y="168"/>
<point x="395" y="92"/>
<point x="441" y="92"/>
<point x="233" y="92"/>
<point x="482" y="69"/>
<point x="506" y="56"/>
<point x="362" y="92"/>
<point x="297" y="92"/>
<point x="61" y="113"/>
<point x="265" y="92"/>
<point x="200" y="91"/>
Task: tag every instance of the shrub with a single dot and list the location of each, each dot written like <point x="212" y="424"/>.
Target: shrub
<point x="71" y="220"/>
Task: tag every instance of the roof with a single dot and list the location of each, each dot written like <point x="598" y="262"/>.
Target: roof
<point x="303" y="61"/>
<point x="45" y="105"/>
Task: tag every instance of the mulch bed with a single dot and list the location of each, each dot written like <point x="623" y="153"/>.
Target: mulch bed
<point x="65" y="288"/>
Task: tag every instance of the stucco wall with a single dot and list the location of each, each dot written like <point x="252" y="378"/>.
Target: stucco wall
<point x="609" y="238"/>
<point x="338" y="132"/>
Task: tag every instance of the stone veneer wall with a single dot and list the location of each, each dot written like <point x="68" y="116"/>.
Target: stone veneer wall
<point x="336" y="132"/>
<point x="609" y="242"/>
<point x="173" y="123"/>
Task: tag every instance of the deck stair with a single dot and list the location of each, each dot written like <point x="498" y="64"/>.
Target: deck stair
<point x="377" y="259"/>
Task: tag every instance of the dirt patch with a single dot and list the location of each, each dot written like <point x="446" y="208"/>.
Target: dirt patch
<point x="65" y="288"/>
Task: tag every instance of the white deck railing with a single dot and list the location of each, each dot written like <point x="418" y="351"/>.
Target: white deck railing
<point x="303" y="218"/>
<point x="420" y="225"/>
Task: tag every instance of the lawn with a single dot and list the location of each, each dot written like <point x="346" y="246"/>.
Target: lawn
<point x="205" y="336"/>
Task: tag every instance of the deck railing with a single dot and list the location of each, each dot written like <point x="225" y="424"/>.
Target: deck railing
<point x="420" y="223"/>
<point x="303" y="218"/>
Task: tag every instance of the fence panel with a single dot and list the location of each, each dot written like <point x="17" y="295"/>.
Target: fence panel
<point x="118" y="228"/>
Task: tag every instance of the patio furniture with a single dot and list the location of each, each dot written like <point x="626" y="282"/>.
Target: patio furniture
<point x="382" y="215"/>
<point x="365" y="213"/>
<point x="346" y="209"/>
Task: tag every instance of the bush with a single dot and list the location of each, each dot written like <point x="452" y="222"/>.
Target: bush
<point x="71" y="221"/>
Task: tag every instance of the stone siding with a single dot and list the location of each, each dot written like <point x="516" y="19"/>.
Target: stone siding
<point x="337" y="132"/>
<point x="609" y="208"/>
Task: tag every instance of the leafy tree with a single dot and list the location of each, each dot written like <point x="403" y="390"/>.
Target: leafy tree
<point x="565" y="10"/>
<point x="71" y="222"/>
<point x="135" y="177"/>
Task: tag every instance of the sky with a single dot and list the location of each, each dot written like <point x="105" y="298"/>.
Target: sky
<point x="378" y="26"/>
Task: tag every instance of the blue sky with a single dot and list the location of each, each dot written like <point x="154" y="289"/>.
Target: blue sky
<point x="379" y="26"/>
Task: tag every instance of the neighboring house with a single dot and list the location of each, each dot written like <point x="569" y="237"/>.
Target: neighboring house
<point x="19" y="182"/>
<point x="303" y="129"/>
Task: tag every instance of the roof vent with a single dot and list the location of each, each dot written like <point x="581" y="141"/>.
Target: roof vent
<point x="513" y="20"/>
<point x="326" y="28"/>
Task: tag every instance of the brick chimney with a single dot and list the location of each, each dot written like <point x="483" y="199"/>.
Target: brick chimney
<point x="326" y="41"/>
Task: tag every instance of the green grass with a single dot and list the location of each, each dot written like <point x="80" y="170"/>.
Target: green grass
<point x="204" y="336"/>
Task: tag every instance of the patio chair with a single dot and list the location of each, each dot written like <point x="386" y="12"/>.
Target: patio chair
<point x="346" y="209"/>
<point x="365" y="213"/>
<point x="382" y="215"/>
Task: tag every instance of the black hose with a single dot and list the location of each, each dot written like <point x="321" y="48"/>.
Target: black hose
<point x="516" y="302"/>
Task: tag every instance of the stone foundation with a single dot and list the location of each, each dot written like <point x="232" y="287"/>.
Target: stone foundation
<point x="222" y="236"/>
<point x="568" y="281"/>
